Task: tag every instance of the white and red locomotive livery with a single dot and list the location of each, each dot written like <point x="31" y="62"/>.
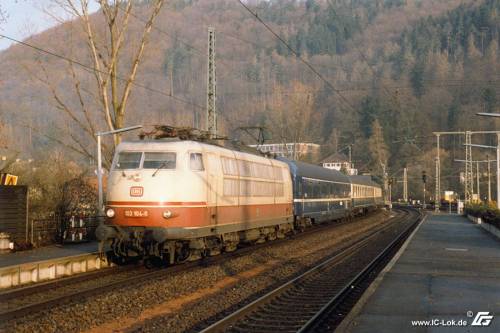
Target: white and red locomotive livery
<point x="178" y="200"/>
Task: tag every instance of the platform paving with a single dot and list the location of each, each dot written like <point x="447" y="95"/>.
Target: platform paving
<point x="449" y="268"/>
<point x="46" y="253"/>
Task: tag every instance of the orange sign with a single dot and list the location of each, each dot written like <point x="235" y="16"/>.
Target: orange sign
<point x="8" y="179"/>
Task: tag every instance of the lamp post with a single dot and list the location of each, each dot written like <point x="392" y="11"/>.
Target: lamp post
<point x="424" y="180"/>
<point x="99" y="161"/>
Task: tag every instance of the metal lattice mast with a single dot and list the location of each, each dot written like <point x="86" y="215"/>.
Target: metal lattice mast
<point x="211" y="85"/>
<point x="498" y="171"/>
<point x="469" y="178"/>
<point x="437" y="199"/>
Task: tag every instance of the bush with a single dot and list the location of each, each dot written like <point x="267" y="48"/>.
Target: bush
<point x="56" y="185"/>
<point x="487" y="212"/>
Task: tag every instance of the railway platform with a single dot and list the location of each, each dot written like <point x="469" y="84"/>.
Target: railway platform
<point x="48" y="263"/>
<point x="46" y="253"/>
<point x="441" y="280"/>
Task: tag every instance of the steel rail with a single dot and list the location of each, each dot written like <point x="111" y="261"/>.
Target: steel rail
<point x="82" y="294"/>
<point x="337" y="300"/>
<point x="229" y="321"/>
<point x="37" y="287"/>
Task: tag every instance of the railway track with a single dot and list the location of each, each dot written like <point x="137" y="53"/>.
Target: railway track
<point x="20" y="302"/>
<point x="319" y="299"/>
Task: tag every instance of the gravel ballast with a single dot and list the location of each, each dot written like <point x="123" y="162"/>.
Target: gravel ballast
<point x="180" y="301"/>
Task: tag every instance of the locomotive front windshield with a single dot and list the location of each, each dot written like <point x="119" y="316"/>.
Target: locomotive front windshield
<point x="152" y="160"/>
<point x="159" y="160"/>
<point x="128" y="160"/>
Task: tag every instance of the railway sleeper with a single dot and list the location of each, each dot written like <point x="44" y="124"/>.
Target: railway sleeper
<point x="272" y="319"/>
<point x="278" y="310"/>
<point x="282" y="326"/>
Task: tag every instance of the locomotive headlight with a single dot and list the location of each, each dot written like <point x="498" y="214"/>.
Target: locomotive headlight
<point x="167" y="214"/>
<point x="110" y="212"/>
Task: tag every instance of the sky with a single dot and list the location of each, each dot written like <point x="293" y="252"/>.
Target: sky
<point x="26" y="17"/>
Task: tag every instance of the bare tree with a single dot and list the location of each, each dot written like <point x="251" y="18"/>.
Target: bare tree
<point x="291" y="113"/>
<point x="7" y="154"/>
<point x="378" y="148"/>
<point x="3" y="15"/>
<point x="113" y="73"/>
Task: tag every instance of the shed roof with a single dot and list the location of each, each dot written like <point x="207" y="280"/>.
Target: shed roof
<point x="335" y="157"/>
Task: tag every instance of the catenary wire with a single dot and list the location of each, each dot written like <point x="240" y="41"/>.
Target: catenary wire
<point x="257" y="17"/>
<point x="93" y="69"/>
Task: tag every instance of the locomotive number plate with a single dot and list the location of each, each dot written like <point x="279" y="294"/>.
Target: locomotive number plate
<point x="136" y="213"/>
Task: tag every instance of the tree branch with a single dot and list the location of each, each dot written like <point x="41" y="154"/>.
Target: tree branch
<point x="147" y="30"/>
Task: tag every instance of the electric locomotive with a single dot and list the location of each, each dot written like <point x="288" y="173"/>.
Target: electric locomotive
<point x="178" y="200"/>
<point x="172" y="200"/>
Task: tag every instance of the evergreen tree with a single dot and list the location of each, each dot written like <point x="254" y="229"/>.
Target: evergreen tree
<point x="370" y="108"/>
<point x="489" y="99"/>
<point x="417" y="78"/>
<point x="472" y="52"/>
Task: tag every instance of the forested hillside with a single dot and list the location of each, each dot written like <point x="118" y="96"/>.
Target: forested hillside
<point x="399" y="70"/>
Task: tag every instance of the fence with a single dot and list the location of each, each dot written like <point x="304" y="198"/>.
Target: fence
<point x="14" y="213"/>
<point x="63" y="229"/>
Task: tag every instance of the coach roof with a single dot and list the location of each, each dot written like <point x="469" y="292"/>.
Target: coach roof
<point x="363" y="180"/>
<point x="316" y="172"/>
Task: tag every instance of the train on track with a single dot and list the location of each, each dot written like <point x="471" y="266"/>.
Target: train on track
<point x="172" y="200"/>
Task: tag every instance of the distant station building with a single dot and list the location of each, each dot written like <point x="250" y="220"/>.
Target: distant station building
<point x="290" y="150"/>
<point x="337" y="161"/>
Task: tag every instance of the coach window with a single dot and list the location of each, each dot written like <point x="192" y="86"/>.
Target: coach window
<point x="159" y="160"/>
<point x="299" y="189"/>
<point x="306" y="188"/>
<point x="324" y="190"/>
<point x="196" y="162"/>
<point x="316" y="189"/>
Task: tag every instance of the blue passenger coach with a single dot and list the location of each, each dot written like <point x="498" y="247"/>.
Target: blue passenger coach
<point x="366" y="194"/>
<point x="319" y="194"/>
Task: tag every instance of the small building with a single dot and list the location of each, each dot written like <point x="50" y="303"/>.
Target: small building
<point x="290" y="150"/>
<point x="337" y="161"/>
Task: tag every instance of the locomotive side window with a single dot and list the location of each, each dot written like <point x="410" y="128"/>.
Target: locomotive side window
<point x="229" y="166"/>
<point x="244" y="168"/>
<point x="231" y="187"/>
<point x="278" y="174"/>
<point x="128" y="160"/>
<point x="159" y="160"/>
<point x="196" y="162"/>
<point x="280" y="189"/>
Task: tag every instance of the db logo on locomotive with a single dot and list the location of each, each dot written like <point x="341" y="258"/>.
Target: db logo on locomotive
<point x="136" y="191"/>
